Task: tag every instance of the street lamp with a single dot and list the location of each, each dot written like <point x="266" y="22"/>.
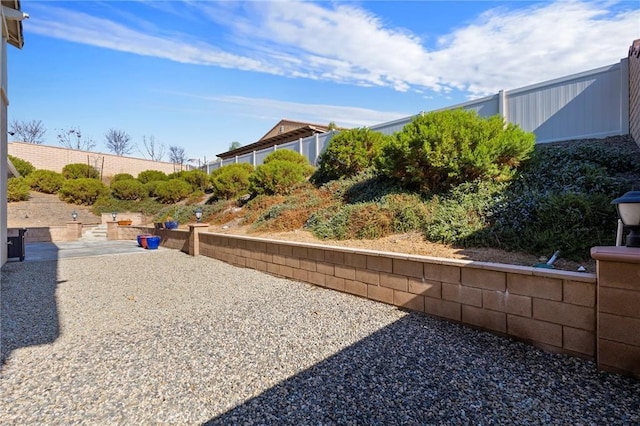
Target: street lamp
<point x="198" y="214"/>
<point x="113" y="215"/>
<point x="628" y="207"/>
<point x="74" y="215"/>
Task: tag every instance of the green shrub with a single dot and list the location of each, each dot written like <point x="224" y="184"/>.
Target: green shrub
<point x="82" y="191"/>
<point x="440" y="150"/>
<point x="276" y="177"/>
<point x="121" y="176"/>
<point x="17" y="189"/>
<point x="46" y="181"/>
<point x="231" y="181"/>
<point x="107" y="204"/>
<point x="408" y="212"/>
<point x="352" y="221"/>
<point x="349" y="152"/>
<point x="292" y="157"/>
<point x="22" y="166"/>
<point x="150" y="188"/>
<point x="172" y="191"/>
<point x="151" y="176"/>
<point x="198" y="179"/>
<point x="80" y="170"/>
<point x="129" y="189"/>
<point x="462" y="212"/>
<point x="177" y="175"/>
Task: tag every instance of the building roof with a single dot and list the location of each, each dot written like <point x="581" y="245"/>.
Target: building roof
<point x="14" y="27"/>
<point x="283" y="132"/>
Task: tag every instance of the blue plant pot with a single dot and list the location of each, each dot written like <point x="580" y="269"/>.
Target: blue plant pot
<point x="171" y="225"/>
<point x="153" y="242"/>
<point x="141" y="237"/>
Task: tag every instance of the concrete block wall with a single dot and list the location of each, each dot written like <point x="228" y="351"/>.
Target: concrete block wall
<point x="555" y="310"/>
<point x="55" y="158"/>
<point x="70" y="232"/>
<point x="618" y="309"/>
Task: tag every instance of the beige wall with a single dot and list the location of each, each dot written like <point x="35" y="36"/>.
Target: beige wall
<point x="4" y="102"/>
<point x="55" y="158"/>
<point x="634" y="91"/>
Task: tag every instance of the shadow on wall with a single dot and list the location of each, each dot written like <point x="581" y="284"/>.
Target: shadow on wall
<point x="420" y="370"/>
<point x="28" y="309"/>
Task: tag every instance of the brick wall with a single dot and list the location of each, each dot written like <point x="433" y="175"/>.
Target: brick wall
<point x="634" y="91"/>
<point x="55" y="158"/>
<point x="551" y="309"/>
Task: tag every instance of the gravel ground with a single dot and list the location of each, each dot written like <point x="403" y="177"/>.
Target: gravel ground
<point x="172" y="339"/>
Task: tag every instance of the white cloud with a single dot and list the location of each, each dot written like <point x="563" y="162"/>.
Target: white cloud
<point x="82" y="28"/>
<point x="502" y="49"/>
<point x="343" y="116"/>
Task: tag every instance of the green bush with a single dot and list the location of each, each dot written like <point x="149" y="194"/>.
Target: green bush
<point x="129" y="189"/>
<point x="46" y="181"/>
<point x="121" y="176"/>
<point x="198" y="179"/>
<point x="82" y="191"/>
<point x="22" y="166"/>
<point x="276" y="177"/>
<point x="151" y="176"/>
<point x="462" y="212"/>
<point x="292" y="157"/>
<point x="440" y="150"/>
<point x="150" y="188"/>
<point x="352" y="221"/>
<point x="80" y="170"/>
<point x="349" y="152"/>
<point x="231" y="181"/>
<point x="172" y="191"/>
<point x="17" y="189"/>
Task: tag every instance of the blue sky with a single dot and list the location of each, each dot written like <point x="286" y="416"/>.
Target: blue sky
<point x="201" y="74"/>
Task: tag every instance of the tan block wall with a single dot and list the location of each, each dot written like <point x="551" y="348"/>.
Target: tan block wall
<point x="55" y="158"/>
<point x="634" y="91"/>
<point x="551" y="309"/>
<point x="618" y="309"/>
<point x="70" y="232"/>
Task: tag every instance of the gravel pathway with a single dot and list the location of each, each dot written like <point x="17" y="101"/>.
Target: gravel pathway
<point x="172" y="339"/>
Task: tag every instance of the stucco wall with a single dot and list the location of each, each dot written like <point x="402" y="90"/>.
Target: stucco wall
<point x="634" y="91"/>
<point x="55" y="158"/>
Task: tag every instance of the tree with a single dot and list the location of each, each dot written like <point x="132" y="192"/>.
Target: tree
<point x="72" y="138"/>
<point x="153" y="150"/>
<point x="118" y="142"/>
<point x="332" y="126"/>
<point x="234" y="145"/>
<point x="28" y="131"/>
<point x="177" y="155"/>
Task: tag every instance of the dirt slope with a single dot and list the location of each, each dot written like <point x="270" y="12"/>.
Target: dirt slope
<point x="46" y="210"/>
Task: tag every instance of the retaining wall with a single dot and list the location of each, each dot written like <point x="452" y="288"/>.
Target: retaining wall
<point x="551" y="309"/>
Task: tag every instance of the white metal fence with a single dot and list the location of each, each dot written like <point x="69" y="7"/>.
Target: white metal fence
<point x="591" y="104"/>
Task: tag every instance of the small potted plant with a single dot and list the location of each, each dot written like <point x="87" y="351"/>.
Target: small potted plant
<point x="169" y="223"/>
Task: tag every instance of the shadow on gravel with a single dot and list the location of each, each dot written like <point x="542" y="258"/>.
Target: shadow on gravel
<point x="28" y="309"/>
<point x="420" y="370"/>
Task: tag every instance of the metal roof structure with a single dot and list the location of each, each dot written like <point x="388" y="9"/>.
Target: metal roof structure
<point x="298" y="130"/>
<point x="13" y="26"/>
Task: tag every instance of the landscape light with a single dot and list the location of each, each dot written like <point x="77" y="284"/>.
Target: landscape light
<point x="113" y="215"/>
<point x="74" y="215"/>
<point x="198" y="214"/>
<point x="628" y="207"/>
